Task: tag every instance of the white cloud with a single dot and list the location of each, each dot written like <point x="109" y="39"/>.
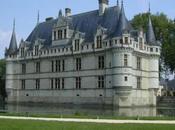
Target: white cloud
<point x="5" y="41"/>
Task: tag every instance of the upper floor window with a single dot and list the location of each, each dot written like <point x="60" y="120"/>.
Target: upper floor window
<point x="23" y="68"/>
<point x="126" y="40"/>
<point x="78" y="83"/>
<point x="60" y="36"/>
<point x="99" y="41"/>
<point x="23" y="84"/>
<point x="63" y="83"/>
<point x="65" y="33"/>
<point x="37" y="84"/>
<point x="101" y="62"/>
<point x="125" y="60"/>
<point x="55" y="35"/>
<point x="77" y="44"/>
<point x="36" y="50"/>
<point x="139" y="82"/>
<point x="101" y="82"/>
<point x="37" y="67"/>
<point x="57" y="83"/>
<point x="63" y="65"/>
<point x="138" y="63"/>
<point x="22" y="52"/>
<point x="78" y="63"/>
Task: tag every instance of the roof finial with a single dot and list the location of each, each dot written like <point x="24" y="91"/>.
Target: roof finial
<point x="60" y="13"/>
<point x="117" y="2"/>
<point x="14" y="24"/>
<point x="149" y="8"/>
<point x="38" y="17"/>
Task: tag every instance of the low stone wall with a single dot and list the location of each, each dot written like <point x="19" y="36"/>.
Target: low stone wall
<point x="166" y="101"/>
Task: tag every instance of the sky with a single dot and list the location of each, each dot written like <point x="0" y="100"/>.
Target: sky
<point x="25" y="13"/>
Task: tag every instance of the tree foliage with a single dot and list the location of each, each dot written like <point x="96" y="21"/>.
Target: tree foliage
<point x="2" y="78"/>
<point x="165" y="32"/>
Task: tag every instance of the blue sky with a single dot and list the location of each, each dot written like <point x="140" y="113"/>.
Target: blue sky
<point x="25" y="13"/>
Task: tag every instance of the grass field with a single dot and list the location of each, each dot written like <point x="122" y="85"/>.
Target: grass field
<point x="41" y="125"/>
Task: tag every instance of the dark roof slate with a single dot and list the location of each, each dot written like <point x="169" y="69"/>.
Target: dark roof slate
<point x="85" y="22"/>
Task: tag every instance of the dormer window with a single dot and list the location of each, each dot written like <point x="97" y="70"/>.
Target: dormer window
<point x="36" y="50"/>
<point x="60" y="34"/>
<point x="65" y="33"/>
<point x="99" y="41"/>
<point x="77" y="44"/>
<point x="55" y="35"/>
<point x="22" y="52"/>
<point x="126" y="40"/>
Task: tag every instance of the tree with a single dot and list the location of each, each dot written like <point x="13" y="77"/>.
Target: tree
<point x="165" y="32"/>
<point x="2" y="78"/>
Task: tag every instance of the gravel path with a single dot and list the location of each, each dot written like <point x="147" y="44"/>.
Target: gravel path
<point x="91" y="120"/>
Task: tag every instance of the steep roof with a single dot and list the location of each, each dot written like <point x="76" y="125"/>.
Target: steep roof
<point x="85" y="22"/>
<point x="13" y="43"/>
<point x="150" y="35"/>
<point x="123" y="24"/>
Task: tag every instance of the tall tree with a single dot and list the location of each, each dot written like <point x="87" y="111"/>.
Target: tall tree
<point x="165" y="32"/>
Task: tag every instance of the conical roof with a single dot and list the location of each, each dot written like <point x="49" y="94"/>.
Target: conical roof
<point x="13" y="42"/>
<point x="123" y="24"/>
<point x="150" y="35"/>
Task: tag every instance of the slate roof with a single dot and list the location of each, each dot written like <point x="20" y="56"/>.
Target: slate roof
<point x="85" y="22"/>
<point x="13" y="43"/>
<point x="150" y="35"/>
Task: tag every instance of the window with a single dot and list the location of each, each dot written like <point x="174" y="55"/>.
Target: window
<point x="126" y="40"/>
<point x="101" y="63"/>
<point x="55" y="34"/>
<point x="37" y="84"/>
<point x="52" y="66"/>
<point x="101" y="82"/>
<point x="77" y="45"/>
<point x="78" y="83"/>
<point x="52" y="84"/>
<point x="139" y="82"/>
<point x="140" y="43"/>
<point x="157" y="50"/>
<point x="37" y="67"/>
<point x="126" y="78"/>
<point x="65" y="33"/>
<point x="125" y="60"/>
<point x="63" y="65"/>
<point x="36" y="50"/>
<point x="57" y="83"/>
<point x="62" y="83"/>
<point x="60" y="34"/>
<point x="22" y="52"/>
<point x="99" y="41"/>
<point x="138" y="63"/>
<point x="23" y="84"/>
<point x="151" y="49"/>
<point x="23" y="68"/>
<point x="121" y="41"/>
<point x="78" y="63"/>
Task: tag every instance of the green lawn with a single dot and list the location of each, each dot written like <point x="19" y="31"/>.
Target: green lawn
<point x="42" y="125"/>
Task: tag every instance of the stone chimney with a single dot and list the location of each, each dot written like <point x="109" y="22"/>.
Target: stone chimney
<point x="103" y="4"/>
<point x="67" y="12"/>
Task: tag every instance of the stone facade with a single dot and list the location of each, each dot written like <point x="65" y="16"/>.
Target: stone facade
<point x="69" y="68"/>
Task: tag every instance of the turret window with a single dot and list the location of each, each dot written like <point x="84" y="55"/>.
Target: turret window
<point x="125" y="60"/>
<point x="78" y="83"/>
<point x="55" y="35"/>
<point x="99" y="41"/>
<point x="78" y="63"/>
<point x="37" y="67"/>
<point x="126" y="40"/>
<point x="139" y="82"/>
